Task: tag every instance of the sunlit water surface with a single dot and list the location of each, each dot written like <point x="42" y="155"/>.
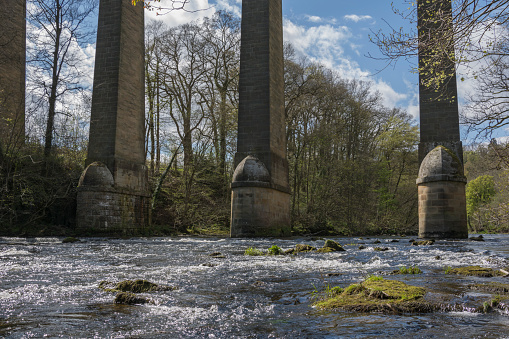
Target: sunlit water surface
<point x="49" y="289"/>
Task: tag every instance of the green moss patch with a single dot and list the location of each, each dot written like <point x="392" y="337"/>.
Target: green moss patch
<point x="253" y="252"/>
<point x="130" y="299"/>
<point x="134" y="286"/>
<point x="376" y="294"/>
<point x="304" y="248"/>
<point x="475" y="271"/>
<point x="332" y="246"/>
<point x="423" y="243"/>
<point x="408" y="270"/>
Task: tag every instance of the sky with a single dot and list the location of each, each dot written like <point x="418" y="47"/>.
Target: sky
<point x="336" y="34"/>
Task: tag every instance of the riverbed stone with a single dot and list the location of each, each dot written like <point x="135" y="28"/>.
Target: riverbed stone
<point x="129" y="298"/>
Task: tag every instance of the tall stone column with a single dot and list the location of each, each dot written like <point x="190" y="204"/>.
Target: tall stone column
<point x="113" y="190"/>
<point x="12" y="73"/>
<point x="441" y="182"/>
<point x="260" y="189"/>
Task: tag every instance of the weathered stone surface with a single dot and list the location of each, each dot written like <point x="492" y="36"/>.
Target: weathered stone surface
<point x="96" y="174"/>
<point x="439" y="122"/>
<point x="251" y="171"/>
<point x="442" y="208"/>
<point x="441" y="192"/>
<point x="260" y="189"/>
<point x="118" y="201"/>
<point x="12" y="73"/>
<point x="259" y="212"/>
<point x="441" y="164"/>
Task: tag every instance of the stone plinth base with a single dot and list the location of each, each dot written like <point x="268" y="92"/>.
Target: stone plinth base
<point x="103" y="207"/>
<point x="442" y="210"/>
<point x="260" y="212"/>
<point x="105" y="210"/>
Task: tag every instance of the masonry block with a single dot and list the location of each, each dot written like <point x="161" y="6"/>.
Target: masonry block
<point x="12" y="73"/>
<point x="261" y="124"/>
<point x="116" y="141"/>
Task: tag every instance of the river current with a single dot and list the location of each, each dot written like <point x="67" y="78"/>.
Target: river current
<point x="50" y="289"/>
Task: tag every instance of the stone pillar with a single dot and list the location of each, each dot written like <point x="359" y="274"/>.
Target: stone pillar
<point x="439" y="118"/>
<point x="441" y="183"/>
<point x="12" y="73"/>
<point x="117" y="201"/>
<point x="442" y="202"/>
<point x="261" y="208"/>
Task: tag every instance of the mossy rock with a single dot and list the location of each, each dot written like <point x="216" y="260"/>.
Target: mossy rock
<point x="70" y="240"/>
<point x="289" y="251"/>
<point x="361" y="247"/>
<point x="479" y="238"/>
<point x="491" y="287"/>
<point x="423" y="243"/>
<point x="334" y="246"/>
<point x="129" y="298"/>
<point x="377" y="242"/>
<point x="304" y="248"/>
<point x="134" y="286"/>
<point x="379" y="295"/>
<point x="476" y="271"/>
<point x="381" y="249"/>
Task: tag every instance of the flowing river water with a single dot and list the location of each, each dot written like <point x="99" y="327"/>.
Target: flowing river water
<point x="50" y="289"/>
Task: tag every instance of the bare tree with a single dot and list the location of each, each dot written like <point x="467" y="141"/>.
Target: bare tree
<point x="58" y="27"/>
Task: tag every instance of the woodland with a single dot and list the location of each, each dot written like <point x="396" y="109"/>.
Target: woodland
<point x="353" y="162"/>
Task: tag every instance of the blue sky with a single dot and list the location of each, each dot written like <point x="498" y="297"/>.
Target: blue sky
<point x="334" y="33"/>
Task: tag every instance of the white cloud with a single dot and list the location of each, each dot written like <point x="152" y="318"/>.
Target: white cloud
<point x="195" y="10"/>
<point x="313" y="18"/>
<point x="325" y="44"/>
<point x="357" y="18"/>
<point x="390" y="97"/>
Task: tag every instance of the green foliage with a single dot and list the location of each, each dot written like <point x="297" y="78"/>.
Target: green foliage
<point x="274" y="250"/>
<point x="253" y="252"/>
<point x="410" y="270"/>
<point x="38" y="194"/>
<point x="479" y="191"/>
<point x="374" y="278"/>
<point x="447" y="269"/>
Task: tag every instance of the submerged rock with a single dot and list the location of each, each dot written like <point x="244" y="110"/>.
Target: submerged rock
<point x="479" y="238"/>
<point x="130" y="299"/>
<point x="491" y="287"/>
<point x="378" y="295"/>
<point x="423" y="243"/>
<point x="134" y="286"/>
<point x="475" y="271"/>
<point x="304" y="248"/>
<point x="380" y="249"/>
<point x="330" y="246"/>
<point x="362" y="247"/>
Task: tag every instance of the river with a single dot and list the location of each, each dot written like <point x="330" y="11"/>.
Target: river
<point x="50" y="289"/>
